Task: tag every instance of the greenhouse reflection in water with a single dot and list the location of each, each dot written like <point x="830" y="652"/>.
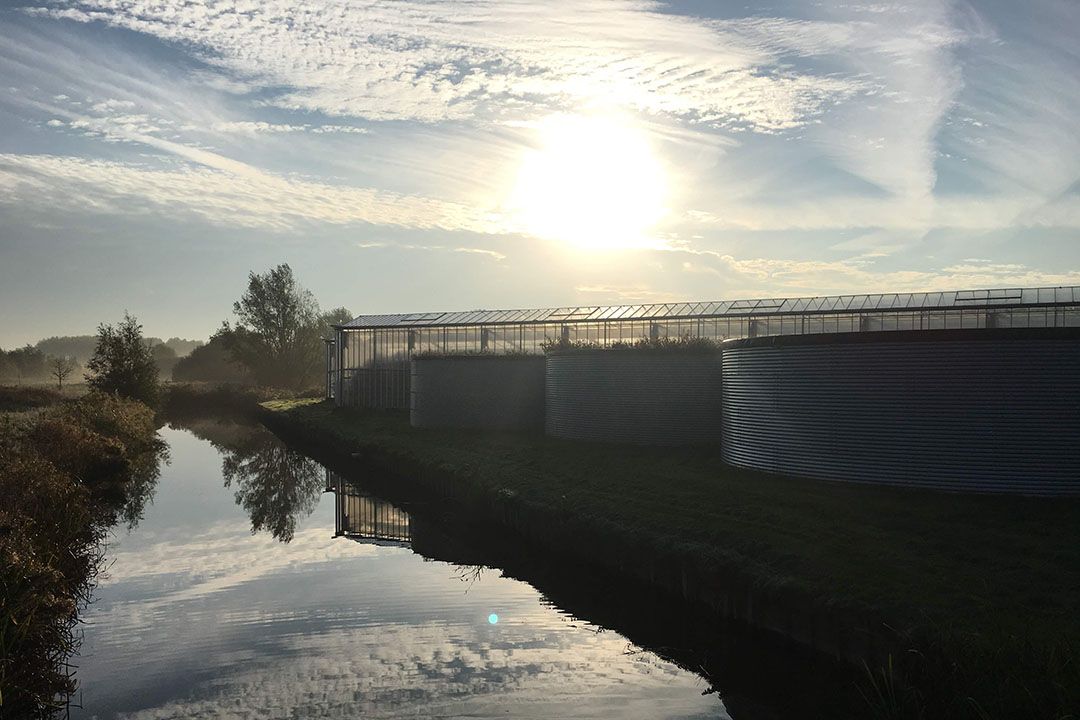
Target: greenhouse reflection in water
<point x="365" y="517"/>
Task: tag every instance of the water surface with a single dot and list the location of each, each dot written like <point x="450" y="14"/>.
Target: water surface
<point x="232" y="598"/>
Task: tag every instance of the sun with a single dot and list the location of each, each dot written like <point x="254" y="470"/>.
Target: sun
<point x="593" y="182"/>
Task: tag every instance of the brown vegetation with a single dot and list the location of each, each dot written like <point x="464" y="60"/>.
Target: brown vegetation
<point x="68" y="473"/>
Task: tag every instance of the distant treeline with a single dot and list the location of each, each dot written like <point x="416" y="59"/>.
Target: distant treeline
<point x="275" y="340"/>
<point x="36" y="363"/>
<point x="81" y="347"/>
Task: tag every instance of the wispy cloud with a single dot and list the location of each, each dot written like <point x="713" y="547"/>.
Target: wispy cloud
<point x="460" y="60"/>
<point x="224" y="193"/>
<point x="747" y="277"/>
<point x="251" y="127"/>
<point x="493" y="254"/>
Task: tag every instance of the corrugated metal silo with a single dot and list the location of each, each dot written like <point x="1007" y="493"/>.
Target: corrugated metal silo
<point x="986" y="410"/>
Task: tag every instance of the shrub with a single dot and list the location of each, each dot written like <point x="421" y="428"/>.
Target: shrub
<point x="187" y="400"/>
<point x="49" y="554"/>
<point x="17" y="398"/>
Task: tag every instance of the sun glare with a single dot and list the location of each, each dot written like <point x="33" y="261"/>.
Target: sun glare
<point x="593" y="182"/>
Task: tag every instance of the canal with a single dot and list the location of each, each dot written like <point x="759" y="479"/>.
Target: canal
<point x="259" y="583"/>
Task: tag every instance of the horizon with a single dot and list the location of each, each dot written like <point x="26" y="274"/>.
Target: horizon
<point x="606" y="153"/>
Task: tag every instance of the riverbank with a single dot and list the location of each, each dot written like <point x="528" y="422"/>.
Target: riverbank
<point x="71" y="468"/>
<point x="180" y="400"/>
<point x="963" y="605"/>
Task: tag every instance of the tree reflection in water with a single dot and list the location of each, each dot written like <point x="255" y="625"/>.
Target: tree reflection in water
<point x="276" y="486"/>
<point x="139" y="490"/>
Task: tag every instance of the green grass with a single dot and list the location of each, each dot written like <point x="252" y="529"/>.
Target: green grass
<point x="983" y="591"/>
<point x="290" y="404"/>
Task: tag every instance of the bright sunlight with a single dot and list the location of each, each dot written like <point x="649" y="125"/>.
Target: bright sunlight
<point x="593" y="182"/>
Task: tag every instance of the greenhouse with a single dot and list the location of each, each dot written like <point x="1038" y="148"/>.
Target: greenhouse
<point x="368" y="361"/>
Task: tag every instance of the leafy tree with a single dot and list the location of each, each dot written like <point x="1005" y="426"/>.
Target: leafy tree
<point x="337" y="316"/>
<point x="123" y="363"/>
<point x="211" y="362"/>
<point x="60" y="368"/>
<point x="279" y="329"/>
<point x="81" y="348"/>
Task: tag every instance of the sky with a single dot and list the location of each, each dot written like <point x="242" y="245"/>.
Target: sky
<point x="426" y="156"/>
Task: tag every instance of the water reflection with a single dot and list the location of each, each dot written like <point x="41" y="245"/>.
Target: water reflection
<point x="274" y="484"/>
<point x="365" y="517"/>
<point x="126" y="501"/>
<point x="759" y="675"/>
<point x="200" y="617"/>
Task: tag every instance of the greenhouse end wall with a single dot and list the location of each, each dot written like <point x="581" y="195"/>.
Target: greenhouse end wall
<point x="630" y="396"/>
<point x="483" y="392"/>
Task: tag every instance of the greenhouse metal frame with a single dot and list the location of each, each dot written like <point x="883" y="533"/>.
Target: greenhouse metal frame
<point x="367" y="363"/>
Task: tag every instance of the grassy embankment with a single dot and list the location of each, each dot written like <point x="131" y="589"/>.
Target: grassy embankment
<point x="180" y="400"/>
<point x="70" y="468"/>
<point x="974" y="596"/>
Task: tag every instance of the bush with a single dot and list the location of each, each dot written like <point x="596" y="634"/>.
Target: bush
<point x="108" y="444"/>
<point x="19" y="398"/>
<point x="49" y="554"/>
<point x="187" y="400"/>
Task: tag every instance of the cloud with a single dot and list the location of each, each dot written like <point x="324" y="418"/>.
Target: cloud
<point x="972" y="212"/>
<point x="224" y="192"/>
<point x="460" y="60"/>
<point x="625" y="294"/>
<point x="249" y="127"/>
<point x="498" y="256"/>
<point x="749" y="277"/>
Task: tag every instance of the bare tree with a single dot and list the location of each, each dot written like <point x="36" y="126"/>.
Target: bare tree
<point x="60" y="367"/>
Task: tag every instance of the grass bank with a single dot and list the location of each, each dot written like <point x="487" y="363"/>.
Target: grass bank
<point x="69" y="470"/>
<point x="236" y="400"/>
<point x="963" y="606"/>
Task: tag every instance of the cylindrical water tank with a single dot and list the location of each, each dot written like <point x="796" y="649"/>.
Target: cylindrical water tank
<point x="634" y="396"/>
<point x="983" y="410"/>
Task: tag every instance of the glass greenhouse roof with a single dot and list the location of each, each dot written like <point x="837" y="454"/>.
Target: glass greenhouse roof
<point x="890" y="302"/>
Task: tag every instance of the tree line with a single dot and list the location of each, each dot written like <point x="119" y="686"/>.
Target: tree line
<point x="63" y="359"/>
<point x="275" y="340"/>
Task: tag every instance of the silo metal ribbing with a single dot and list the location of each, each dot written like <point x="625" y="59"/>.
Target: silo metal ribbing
<point x="986" y="410"/>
